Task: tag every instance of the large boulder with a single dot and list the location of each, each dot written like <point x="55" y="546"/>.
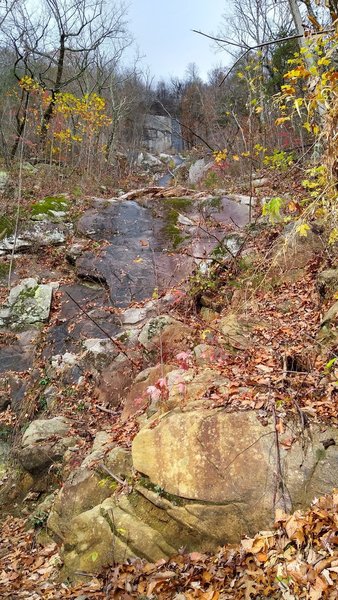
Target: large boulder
<point x="208" y="455"/>
<point x="110" y="533"/>
<point x="208" y="478"/>
<point x="327" y="335"/>
<point x="188" y="387"/>
<point x="230" y="458"/>
<point x="45" y="442"/>
<point x="28" y="303"/>
<point x="90" y="484"/>
<point x="198" y="170"/>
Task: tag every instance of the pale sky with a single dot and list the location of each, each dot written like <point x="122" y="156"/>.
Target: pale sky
<point x="162" y="32"/>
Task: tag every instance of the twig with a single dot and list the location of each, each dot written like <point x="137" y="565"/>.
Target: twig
<point x="280" y="477"/>
<point x="18" y="209"/>
<point x="256" y="47"/>
<point x="186" y="127"/>
<point x="215" y="39"/>
<point x="108" y="471"/>
<point x="211" y="258"/>
<point x="118" y="345"/>
<point x="106" y="410"/>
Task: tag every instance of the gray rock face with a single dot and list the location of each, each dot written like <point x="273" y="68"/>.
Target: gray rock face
<point x="72" y="329"/>
<point x="18" y="355"/>
<point x="36" y="234"/>
<point x="145" y="159"/>
<point x="153" y="329"/>
<point x="134" y="264"/>
<point x="258" y="183"/>
<point x="27" y="303"/>
<point x="44" y="442"/>
<point x="15" y="358"/>
<point x="145" y="241"/>
<point x="157" y="133"/>
<point x="198" y="170"/>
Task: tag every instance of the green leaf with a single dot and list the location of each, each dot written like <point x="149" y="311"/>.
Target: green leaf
<point x="272" y="209"/>
<point x="330" y="364"/>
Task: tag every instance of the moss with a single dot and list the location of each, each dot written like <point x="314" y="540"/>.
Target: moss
<point x="175" y="500"/>
<point x="7" y="225"/>
<point x="179" y="204"/>
<point x="172" y="208"/>
<point x="5" y="432"/>
<point x="28" y="292"/>
<point x="49" y="204"/>
<point x="155" y="326"/>
<point x="4" y="270"/>
<point x="215" y="202"/>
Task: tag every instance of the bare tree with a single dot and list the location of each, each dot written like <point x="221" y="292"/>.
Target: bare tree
<point x="58" y="47"/>
<point x="252" y="22"/>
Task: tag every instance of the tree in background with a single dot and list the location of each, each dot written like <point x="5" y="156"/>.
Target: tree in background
<point x="58" y="48"/>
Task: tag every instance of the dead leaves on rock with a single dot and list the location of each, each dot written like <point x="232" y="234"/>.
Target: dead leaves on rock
<point x="299" y="560"/>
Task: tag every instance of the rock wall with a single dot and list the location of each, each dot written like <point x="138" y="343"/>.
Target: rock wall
<point x="161" y="134"/>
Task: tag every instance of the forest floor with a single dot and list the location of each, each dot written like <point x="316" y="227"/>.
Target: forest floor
<point x="298" y="558"/>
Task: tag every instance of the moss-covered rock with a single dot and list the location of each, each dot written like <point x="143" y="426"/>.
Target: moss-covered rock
<point x="28" y="303"/>
<point x="53" y="208"/>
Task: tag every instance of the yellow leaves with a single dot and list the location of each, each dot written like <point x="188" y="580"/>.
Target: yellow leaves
<point x="303" y="229"/>
<point x="333" y="237"/>
<point x="259" y="148"/>
<point x="288" y="89"/>
<point x="282" y="120"/>
<point x="220" y="156"/>
<point x="299" y="72"/>
<point x="311" y="128"/>
<point x="293" y="206"/>
<point x="325" y="61"/>
<point x="89" y="110"/>
<point x="29" y="84"/>
<point x="297" y="104"/>
<point x="235" y="157"/>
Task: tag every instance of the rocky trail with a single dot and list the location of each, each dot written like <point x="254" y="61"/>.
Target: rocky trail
<point x="165" y="393"/>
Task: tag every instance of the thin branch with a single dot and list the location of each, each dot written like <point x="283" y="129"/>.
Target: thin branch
<point x="257" y="46"/>
<point x="186" y="127"/>
<point x="215" y="39"/>
<point x="102" y="467"/>
<point x="114" y="341"/>
<point x="106" y="410"/>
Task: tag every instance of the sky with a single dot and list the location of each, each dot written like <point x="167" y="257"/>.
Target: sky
<point x="162" y="32"/>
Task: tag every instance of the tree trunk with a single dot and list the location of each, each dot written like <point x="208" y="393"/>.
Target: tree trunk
<point x="48" y="114"/>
